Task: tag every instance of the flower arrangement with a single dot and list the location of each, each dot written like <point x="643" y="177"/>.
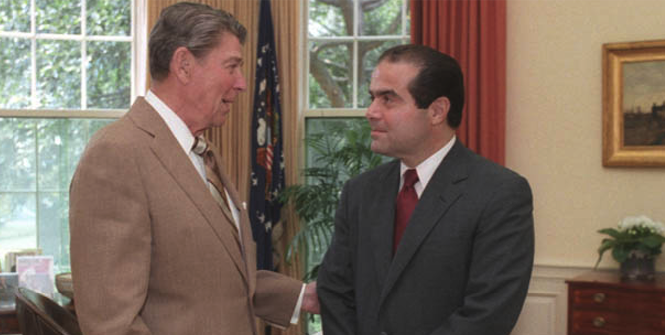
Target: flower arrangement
<point x="635" y="236"/>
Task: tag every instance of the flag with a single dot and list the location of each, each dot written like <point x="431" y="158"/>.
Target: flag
<point x="267" y="178"/>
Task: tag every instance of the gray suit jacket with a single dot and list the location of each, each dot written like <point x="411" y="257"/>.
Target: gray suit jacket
<point x="151" y="250"/>
<point x="463" y="265"/>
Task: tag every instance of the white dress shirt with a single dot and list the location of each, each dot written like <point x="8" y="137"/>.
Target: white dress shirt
<point x="427" y="168"/>
<point x="186" y="141"/>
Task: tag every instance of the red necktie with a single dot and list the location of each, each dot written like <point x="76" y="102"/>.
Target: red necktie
<point x="404" y="205"/>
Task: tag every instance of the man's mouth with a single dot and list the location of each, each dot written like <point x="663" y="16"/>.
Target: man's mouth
<point x="376" y="132"/>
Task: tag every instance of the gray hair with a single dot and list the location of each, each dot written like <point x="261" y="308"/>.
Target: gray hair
<point x="195" y="26"/>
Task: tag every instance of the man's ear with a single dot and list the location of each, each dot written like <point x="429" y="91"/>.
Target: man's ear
<point x="181" y="64"/>
<point x="438" y="110"/>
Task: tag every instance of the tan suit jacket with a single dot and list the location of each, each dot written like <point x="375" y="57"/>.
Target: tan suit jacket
<point x="151" y="250"/>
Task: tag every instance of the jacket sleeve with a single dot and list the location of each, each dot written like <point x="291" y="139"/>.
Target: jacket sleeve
<point x="110" y="240"/>
<point x="335" y="283"/>
<point x="276" y="297"/>
<point x="501" y="264"/>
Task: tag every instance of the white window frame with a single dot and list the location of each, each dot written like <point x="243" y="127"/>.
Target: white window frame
<point x="138" y="40"/>
<point x="305" y="39"/>
<point x="138" y="75"/>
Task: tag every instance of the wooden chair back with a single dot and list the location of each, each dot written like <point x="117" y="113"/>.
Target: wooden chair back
<point x="39" y="315"/>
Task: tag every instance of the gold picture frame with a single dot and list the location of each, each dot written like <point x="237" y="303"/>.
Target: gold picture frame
<point x="634" y="104"/>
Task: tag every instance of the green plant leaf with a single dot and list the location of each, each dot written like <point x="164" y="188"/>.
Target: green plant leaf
<point x="653" y="241"/>
<point x="339" y="152"/>
<point x="604" y="246"/>
<point x="620" y="253"/>
<point x="612" y="232"/>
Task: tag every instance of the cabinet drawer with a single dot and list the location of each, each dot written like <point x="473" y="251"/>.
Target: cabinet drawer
<point x="619" y="301"/>
<point x="601" y="303"/>
<point x="599" y="323"/>
<point x="610" y="323"/>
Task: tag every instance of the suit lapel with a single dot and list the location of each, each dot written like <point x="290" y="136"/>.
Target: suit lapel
<point x="244" y="233"/>
<point x="169" y="152"/>
<point x="441" y="192"/>
<point x="230" y="188"/>
<point x="381" y="216"/>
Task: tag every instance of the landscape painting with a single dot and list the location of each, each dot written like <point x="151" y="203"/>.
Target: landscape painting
<point x="644" y="103"/>
<point x="634" y="104"/>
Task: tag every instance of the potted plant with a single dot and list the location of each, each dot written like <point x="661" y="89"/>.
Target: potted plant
<point x="337" y="153"/>
<point x="635" y="243"/>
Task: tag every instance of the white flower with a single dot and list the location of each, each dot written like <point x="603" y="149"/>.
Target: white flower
<point x="641" y="221"/>
<point x="659" y="227"/>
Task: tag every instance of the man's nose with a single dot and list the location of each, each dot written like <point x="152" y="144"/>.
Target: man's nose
<point x="241" y="82"/>
<point x="372" y="111"/>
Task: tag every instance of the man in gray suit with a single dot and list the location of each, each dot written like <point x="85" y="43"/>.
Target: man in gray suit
<point x="438" y="241"/>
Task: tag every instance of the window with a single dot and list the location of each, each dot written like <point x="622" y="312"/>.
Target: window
<point x="344" y="43"/>
<point x="344" y="40"/>
<point x="68" y="69"/>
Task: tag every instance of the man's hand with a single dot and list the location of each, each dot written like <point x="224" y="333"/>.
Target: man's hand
<point x="310" y="301"/>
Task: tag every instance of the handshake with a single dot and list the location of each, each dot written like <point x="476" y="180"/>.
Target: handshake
<point x="310" y="301"/>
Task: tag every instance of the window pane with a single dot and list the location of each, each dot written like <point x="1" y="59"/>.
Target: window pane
<point x="17" y="155"/>
<point x="15" y="15"/>
<point x="53" y="226"/>
<point x="382" y="19"/>
<point x="353" y="132"/>
<point x="407" y="29"/>
<point x="341" y="141"/>
<point x="30" y="212"/>
<point x="108" y="17"/>
<point x="79" y="132"/>
<point x="15" y="72"/>
<point x="61" y="143"/>
<point x="332" y="128"/>
<point x="58" y="16"/>
<point x="330" y="20"/>
<point x="17" y="221"/>
<point x="368" y="54"/>
<point x="331" y="74"/>
<point x="108" y="72"/>
<point x="50" y="140"/>
<point x="59" y="74"/>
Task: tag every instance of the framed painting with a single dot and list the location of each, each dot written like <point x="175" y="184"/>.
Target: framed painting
<point x="634" y="104"/>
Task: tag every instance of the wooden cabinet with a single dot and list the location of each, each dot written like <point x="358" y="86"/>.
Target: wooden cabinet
<point x="599" y="303"/>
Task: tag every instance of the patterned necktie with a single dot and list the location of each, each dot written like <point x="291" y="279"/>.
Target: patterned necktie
<point x="404" y="205"/>
<point x="215" y="185"/>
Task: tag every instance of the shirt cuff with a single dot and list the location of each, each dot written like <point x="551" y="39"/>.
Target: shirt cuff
<point x="296" y="312"/>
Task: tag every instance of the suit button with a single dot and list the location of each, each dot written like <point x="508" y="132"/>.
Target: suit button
<point x="384" y="333"/>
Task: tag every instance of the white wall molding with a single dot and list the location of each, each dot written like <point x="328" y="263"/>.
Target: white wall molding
<point x="546" y="307"/>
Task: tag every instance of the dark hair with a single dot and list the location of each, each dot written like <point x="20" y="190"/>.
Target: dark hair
<point x="440" y="76"/>
<point x="195" y="26"/>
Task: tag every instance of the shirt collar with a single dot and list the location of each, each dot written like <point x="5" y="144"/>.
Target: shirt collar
<point x="179" y="129"/>
<point x="427" y="167"/>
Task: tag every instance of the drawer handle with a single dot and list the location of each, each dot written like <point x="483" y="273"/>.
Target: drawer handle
<point x="599" y="322"/>
<point x="599" y="297"/>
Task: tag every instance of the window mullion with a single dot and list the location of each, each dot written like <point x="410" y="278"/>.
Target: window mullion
<point x="33" y="56"/>
<point x="355" y="73"/>
<point x="132" y="48"/>
<point x="37" y="195"/>
<point x="404" y="33"/>
<point x="84" y="58"/>
<point x="354" y="53"/>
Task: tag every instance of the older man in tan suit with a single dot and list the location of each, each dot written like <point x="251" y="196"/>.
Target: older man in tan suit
<point x="153" y="251"/>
